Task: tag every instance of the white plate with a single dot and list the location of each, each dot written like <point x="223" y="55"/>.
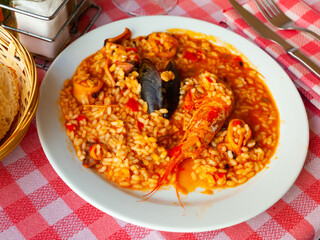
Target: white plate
<point x="162" y="212"/>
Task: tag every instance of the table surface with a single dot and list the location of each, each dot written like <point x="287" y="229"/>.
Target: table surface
<point x="36" y="204"/>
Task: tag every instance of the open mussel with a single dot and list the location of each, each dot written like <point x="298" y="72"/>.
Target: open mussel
<point x="158" y="93"/>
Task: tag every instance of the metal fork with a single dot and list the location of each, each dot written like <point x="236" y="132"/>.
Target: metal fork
<point x="278" y="19"/>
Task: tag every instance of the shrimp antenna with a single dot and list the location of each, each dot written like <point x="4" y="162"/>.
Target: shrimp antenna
<point x="160" y="182"/>
<point x="178" y="196"/>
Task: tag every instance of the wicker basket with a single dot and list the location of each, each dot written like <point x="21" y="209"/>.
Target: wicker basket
<point x="16" y="56"/>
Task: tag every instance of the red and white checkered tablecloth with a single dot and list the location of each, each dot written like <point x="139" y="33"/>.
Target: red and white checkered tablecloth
<point x="36" y="204"/>
<point x="304" y="16"/>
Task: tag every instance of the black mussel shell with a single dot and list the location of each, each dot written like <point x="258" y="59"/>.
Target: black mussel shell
<point x="171" y="90"/>
<point x="150" y="81"/>
<point x="157" y="93"/>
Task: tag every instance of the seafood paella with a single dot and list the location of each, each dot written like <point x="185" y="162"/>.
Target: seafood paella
<point x="170" y="108"/>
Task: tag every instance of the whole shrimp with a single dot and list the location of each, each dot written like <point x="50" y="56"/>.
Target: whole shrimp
<point x="211" y="111"/>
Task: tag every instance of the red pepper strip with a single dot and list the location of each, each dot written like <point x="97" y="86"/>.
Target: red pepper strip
<point x="188" y="103"/>
<point x="209" y="79"/>
<point x="220" y="175"/>
<point x="133" y="104"/>
<point x="174" y="151"/>
<point x="239" y="60"/>
<point x="131" y="49"/>
<point x="236" y="123"/>
<point x="190" y="56"/>
<point x="71" y="126"/>
<point x="80" y="118"/>
<point x="140" y="125"/>
<point x="90" y="149"/>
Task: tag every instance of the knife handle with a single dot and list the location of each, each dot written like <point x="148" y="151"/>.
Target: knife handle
<point x="305" y="61"/>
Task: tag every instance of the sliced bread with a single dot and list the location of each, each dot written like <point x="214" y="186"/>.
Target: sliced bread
<point x="9" y="98"/>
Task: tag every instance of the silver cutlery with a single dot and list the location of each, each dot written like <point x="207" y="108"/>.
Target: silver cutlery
<point x="277" y="18"/>
<point x="267" y="33"/>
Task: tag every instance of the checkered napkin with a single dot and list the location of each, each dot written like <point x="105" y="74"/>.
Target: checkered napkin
<point x="304" y="16"/>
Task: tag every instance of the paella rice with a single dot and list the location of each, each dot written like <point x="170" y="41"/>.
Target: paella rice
<point x="106" y="107"/>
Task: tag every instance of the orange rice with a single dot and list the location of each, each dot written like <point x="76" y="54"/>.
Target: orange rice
<point x="137" y="143"/>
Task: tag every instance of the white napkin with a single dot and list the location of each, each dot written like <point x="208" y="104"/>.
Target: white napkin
<point x="44" y="7"/>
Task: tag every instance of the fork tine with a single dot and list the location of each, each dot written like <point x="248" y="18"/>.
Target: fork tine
<point x="262" y="10"/>
<point x="274" y="6"/>
<point x="267" y="8"/>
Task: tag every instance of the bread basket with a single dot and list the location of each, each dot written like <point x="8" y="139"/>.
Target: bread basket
<point x="16" y="56"/>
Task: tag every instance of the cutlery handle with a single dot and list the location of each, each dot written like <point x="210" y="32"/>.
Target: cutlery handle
<point x="313" y="34"/>
<point x="305" y="61"/>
